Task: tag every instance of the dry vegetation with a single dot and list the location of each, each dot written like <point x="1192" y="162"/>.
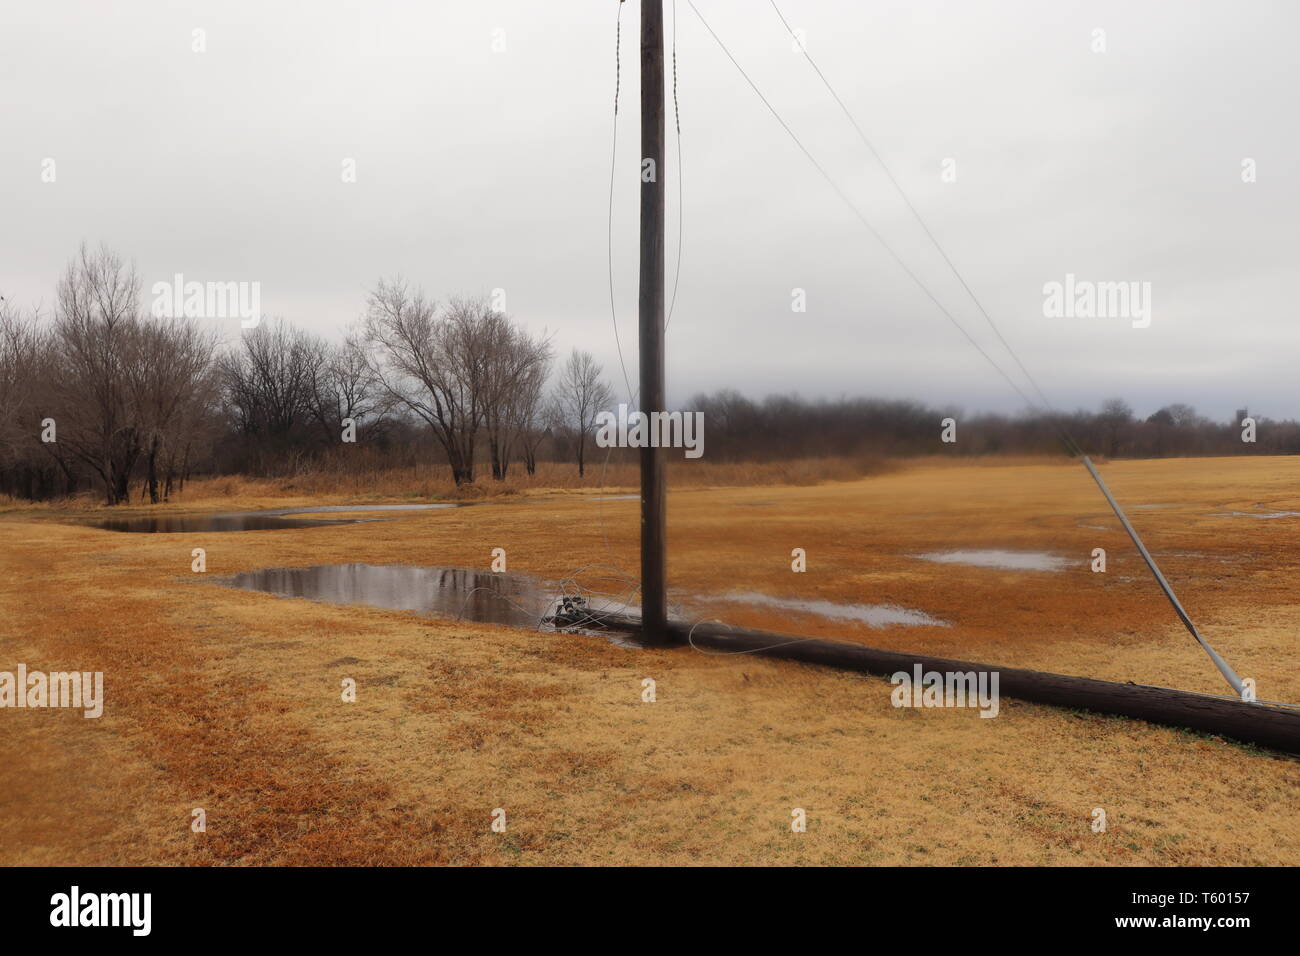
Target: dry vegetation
<point x="229" y="701"/>
<point x="434" y="483"/>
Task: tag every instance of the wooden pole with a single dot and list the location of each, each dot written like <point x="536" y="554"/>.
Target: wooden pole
<point x="654" y="593"/>
<point x="1257" y="723"/>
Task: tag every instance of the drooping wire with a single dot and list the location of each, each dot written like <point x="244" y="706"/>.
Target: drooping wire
<point x="677" y="121"/>
<point x="609" y="229"/>
<point x="609" y="240"/>
<point x="863" y="219"/>
<point x="1224" y="668"/>
<point x="1066" y="438"/>
<point x="609" y="226"/>
<point x="572" y="587"/>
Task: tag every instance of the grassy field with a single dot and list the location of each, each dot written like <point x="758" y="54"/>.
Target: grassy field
<point x="229" y="701"/>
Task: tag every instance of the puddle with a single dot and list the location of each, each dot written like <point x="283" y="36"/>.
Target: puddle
<point x="872" y="615"/>
<point x="617" y="498"/>
<point x="1002" y="560"/>
<point x="1256" y="514"/>
<point x="178" y="524"/>
<point x="482" y="596"/>
<point x="513" y="600"/>
<point x="357" y="509"/>
<point x="276" y="519"/>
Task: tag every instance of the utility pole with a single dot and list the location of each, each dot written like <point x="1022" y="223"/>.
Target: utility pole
<point x="654" y="592"/>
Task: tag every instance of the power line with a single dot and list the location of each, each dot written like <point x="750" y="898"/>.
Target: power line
<point x="1228" y="673"/>
<point x="860" y="217"/>
<point x="609" y="226"/>
<point x="677" y="122"/>
<point x="916" y="215"/>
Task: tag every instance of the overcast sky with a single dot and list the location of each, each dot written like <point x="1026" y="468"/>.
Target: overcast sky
<point x="479" y="169"/>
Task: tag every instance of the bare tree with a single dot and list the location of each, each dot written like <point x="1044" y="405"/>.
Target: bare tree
<point x="1183" y="415"/>
<point x="580" y="395"/>
<point x="97" y="354"/>
<point x="196" y="427"/>
<point x="518" y="365"/>
<point x="175" y="387"/>
<point x="535" y="417"/>
<point x="434" y="365"/>
<point x="21" y="346"/>
<point x="268" y="384"/>
<point x="1115" y="414"/>
<point x="18" y="344"/>
<point x="343" y="388"/>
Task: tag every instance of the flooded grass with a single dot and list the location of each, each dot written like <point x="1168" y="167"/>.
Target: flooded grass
<point x="1256" y="514"/>
<point x="510" y="599"/>
<point x="358" y="509"/>
<point x="1001" y="560"/>
<point x="183" y="524"/>
<point x="872" y="615"/>
<point x="273" y="520"/>
<point x="514" y="600"/>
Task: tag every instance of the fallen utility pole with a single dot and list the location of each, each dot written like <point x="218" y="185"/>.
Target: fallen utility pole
<point x="1277" y="727"/>
<point x="654" y="584"/>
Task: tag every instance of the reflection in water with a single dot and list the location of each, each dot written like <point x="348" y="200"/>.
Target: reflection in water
<point x="452" y="592"/>
<point x="1256" y="514"/>
<point x="349" y="509"/>
<point x="251" y="520"/>
<point x="176" y="524"/>
<point x="511" y="599"/>
<point x="1004" y="560"/>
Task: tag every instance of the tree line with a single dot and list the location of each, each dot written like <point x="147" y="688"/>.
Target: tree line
<point x="102" y="394"/>
<point x="781" y="426"/>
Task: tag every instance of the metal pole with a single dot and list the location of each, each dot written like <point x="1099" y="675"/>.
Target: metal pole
<point x="654" y="594"/>
<point x="1224" y="668"/>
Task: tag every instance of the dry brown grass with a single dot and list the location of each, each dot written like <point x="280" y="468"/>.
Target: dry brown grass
<point x="230" y="701"/>
<point x="434" y="482"/>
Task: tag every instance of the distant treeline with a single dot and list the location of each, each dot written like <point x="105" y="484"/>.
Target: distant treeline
<point x="103" y="395"/>
<point x="741" y="429"/>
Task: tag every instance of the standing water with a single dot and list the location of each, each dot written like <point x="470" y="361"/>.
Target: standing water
<point x="183" y="524"/>
<point x="482" y="596"/>
<point x="1003" y="560"/>
<point x="278" y="519"/>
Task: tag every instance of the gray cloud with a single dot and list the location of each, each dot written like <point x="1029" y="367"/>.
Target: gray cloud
<point x="479" y="170"/>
